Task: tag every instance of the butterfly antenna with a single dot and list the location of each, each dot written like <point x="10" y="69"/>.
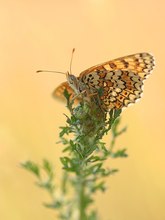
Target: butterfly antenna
<point x="71" y="60"/>
<point x="49" y="71"/>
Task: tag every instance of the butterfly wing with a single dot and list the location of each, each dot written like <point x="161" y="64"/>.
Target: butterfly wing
<point x="121" y="79"/>
<point x="58" y="93"/>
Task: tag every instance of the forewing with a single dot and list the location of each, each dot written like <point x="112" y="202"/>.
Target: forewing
<point x="140" y="63"/>
<point x="120" y="80"/>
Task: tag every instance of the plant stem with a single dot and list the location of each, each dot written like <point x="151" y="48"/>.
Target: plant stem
<point x="83" y="163"/>
<point x="82" y="215"/>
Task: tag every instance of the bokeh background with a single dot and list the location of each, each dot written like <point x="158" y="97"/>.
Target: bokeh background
<point x="40" y="34"/>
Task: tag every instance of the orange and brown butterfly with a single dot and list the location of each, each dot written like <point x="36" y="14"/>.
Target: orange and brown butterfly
<point x="120" y="80"/>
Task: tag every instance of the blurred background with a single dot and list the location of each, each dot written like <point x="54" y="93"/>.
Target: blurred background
<point x="40" y="35"/>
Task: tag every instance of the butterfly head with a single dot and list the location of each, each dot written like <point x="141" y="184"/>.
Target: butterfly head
<point x="73" y="82"/>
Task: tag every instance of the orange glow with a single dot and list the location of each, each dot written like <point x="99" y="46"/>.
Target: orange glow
<point x="40" y="35"/>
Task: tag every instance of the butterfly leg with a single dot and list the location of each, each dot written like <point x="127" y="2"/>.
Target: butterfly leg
<point x="87" y="96"/>
<point x="77" y="95"/>
<point x="96" y="95"/>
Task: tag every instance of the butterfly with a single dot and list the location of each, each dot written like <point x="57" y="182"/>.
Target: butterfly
<point x="120" y="81"/>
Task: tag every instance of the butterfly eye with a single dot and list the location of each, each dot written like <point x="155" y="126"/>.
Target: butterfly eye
<point x="71" y="79"/>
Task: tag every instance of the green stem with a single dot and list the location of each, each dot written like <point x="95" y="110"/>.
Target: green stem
<point x="82" y="205"/>
<point x="112" y="143"/>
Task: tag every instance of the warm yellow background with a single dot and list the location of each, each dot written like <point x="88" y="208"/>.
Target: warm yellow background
<point x="37" y="34"/>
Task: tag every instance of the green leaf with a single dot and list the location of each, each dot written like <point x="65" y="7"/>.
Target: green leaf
<point x="95" y="168"/>
<point x="115" y="125"/>
<point x="47" y="185"/>
<point x="67" y="95"/>
<point x="99" y="186"/>
<point x="32" y="167"/>
<point x="70" y="165"/>
<point x="117" y="113"/>
<point x="47" y="166"/>
<point x="64" y="130"/>
<point x="100" y="91"/>
<point x="93" y="159"/>
<point x="121" y="131"/>
<point x="119" y="153"/>
<point x="53" y="205"/>
<point x="113" y="171"/>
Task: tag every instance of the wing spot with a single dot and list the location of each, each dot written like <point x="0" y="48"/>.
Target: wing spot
<point x="114" y="93"/>
<point x="112" y="65"/>
<point x="102" y="74"/>
<point x="118" y="90"/>
<point x="125" y="63"/>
